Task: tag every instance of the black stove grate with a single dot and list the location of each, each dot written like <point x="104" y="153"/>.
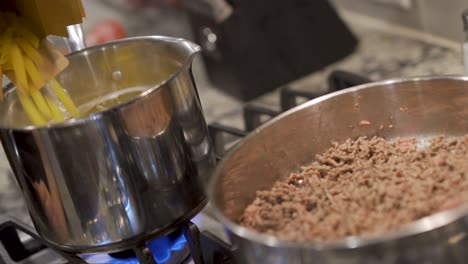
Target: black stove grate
<point x="12" y="249"/>
<point x="255" y="115"/>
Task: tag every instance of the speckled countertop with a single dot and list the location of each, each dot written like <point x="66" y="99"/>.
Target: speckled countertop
<point x="384" y="52"/>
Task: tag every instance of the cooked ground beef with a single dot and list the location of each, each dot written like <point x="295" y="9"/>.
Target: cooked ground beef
<point x="363" y="187"/>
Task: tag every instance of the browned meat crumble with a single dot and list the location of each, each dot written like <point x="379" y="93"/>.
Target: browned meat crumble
<point x="363" y="187"/>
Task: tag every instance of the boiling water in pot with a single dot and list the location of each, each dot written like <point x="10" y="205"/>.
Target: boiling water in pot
<point x="109" y="100"/>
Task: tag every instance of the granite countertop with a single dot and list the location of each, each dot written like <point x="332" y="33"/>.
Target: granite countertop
<point x="384" y="52"/>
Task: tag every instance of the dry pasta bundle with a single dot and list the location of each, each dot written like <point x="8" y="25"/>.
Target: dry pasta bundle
<point x="31" y="64"/>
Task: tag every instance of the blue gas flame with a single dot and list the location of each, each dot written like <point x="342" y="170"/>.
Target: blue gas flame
<point x="161" y="248"/>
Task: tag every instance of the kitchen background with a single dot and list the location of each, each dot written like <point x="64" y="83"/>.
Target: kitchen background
<point x="397" y="38"/>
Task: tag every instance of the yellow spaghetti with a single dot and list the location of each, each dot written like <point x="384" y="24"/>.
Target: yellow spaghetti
<point x="19" y="58"/>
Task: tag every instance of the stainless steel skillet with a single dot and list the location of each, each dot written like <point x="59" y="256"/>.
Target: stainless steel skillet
<point x="418" y="107"/>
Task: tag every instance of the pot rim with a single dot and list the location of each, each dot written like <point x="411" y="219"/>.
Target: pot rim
<point x="194" y="48"/>
<point x="419" y="226"/>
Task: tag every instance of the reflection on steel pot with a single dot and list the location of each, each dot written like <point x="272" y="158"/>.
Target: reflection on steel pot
<point x="125" y="174"/>
<point x="435" y="105"/>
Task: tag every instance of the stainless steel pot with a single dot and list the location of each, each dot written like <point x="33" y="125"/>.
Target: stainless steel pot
<point x="123" y="175"/>
<point x="432" y="106"/>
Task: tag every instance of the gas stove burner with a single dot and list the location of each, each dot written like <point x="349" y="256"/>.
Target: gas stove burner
<point x="170" y="249"/>
<point x="183" y="246"/>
